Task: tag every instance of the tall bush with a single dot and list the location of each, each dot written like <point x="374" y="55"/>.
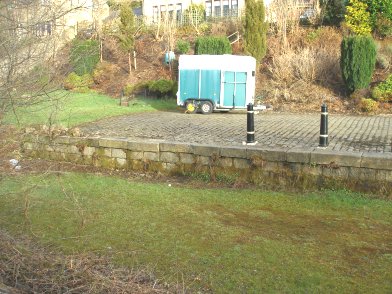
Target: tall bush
<point x="255" y="27"/>
<point x="358" y="18"/>
<point x="333" y="11"/>
<point x="84" y="56"/>
<point x="183" y="46"/>
<point x="357" y="61"/>
<point x="212" y="45"/>
<point x="126" y="34"/>
<point x="377" y="8"/>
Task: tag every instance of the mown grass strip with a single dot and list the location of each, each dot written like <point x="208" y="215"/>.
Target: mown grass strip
<point x="224" y="240"/>
<point x="69" y="109"/>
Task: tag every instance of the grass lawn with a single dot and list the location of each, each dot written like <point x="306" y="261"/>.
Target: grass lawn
<point x="69" y="109"/>
<point x="222" y="240"/>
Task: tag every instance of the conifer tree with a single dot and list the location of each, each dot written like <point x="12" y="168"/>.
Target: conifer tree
<point x="127" y="31"/>
<point x="255" y="27"/>
<point x="357" y="61"/>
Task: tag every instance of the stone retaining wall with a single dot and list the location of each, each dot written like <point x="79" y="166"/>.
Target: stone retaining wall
<point x="254" y="164"/>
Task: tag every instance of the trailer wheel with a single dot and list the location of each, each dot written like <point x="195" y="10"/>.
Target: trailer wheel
<point x="190" y="107"/>
<point x="206" y="107"/>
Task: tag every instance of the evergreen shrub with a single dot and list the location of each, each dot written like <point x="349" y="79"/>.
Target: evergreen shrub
<point x="383" y="26"/>
<point x="212" y="45"/>
<point x="84" y="56"/>
<point x="383" y="91"/>
<point x="358" y="18"/>
<point x="162" y="87"/>
<point x="357" y="61"/>
<point x="183" y="46"/>
<point x="255" y="29"/>
<point x="368" y="105"/>
<point x="77" y="83"/>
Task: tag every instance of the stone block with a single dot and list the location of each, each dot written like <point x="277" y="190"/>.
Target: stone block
<point x="153" y="156"/>
<point x="73" y="149"/>
<point x="169" y="166"/>
<point x="237" y="152"/>
<point x="267" y="154"/>
<point x="377" y="160"/>
<point x="49" y="148"/>
<point x="61" y="148"/>
<point x="203" y="160"/>
<point x="61" y="140"/>
<point x="298" y="155"/>
<point x="136" y="165"/>
<point x="73" y="157"/>
<point x="314" y="170"/>
<point x="205" y="150"/>
<point x="88" y="151"/>
<point x="169" y="157"/>
<point x="338" y="158"/>
<point x="121" y="162"/>
<point x="143" y="146"/>
<point x="225" y="162"/>
<point x="383" y="175"/>
<point x="241" y="163"/>
<point x="88" y="160"/>
<point x="175" y="147"/>
<point x="135" y="155"/>
<point x="367" y="174"/>
<point x="107" y="152"/>
<point x="93" y="142"/>
<point x="113" y="143"/>
<point x="340" y="173"/>
<point x="44" y="139"/>
<point x="118" y="153"/>
<point x="187" y="158"/>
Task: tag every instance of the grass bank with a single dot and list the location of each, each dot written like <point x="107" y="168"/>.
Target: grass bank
<point x="69" y="109"/>
<point x="220" y="240"/>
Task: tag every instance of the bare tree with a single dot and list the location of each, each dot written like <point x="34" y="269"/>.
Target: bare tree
<point x="284" y="16"/>
<point x="31" y="32"/>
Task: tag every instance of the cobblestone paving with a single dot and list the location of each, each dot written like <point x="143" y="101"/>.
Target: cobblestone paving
<point x="346" y="133"/>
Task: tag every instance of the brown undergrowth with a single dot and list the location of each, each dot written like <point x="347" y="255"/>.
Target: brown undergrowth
<point x="31" y="268"/>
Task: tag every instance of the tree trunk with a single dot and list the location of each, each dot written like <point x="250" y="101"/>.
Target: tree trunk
<point x="134" y="58"/>
<point x="101" y="49"/>
<point x="129" y="63"/>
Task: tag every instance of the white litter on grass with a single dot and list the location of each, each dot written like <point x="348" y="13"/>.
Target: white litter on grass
<point x="14" y="162"/>
<point x="169" y="185"/>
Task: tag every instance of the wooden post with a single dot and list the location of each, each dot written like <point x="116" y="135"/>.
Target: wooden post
<point x="134" y="58"/>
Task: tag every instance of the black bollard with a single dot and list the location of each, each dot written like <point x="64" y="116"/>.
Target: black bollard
<point x="250" y="123"/>
<point x="324" y="126"/>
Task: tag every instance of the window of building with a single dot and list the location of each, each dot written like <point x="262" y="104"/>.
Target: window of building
<point x="217" y="8"/>
<point x="234" y="7"/>
<point x="155" y="13"/>
<point x="163" y="11"/>
<point x="179" y="11"/>
<point x="226" y="8"/>
<point x="171" y="11"/>
<point x="208" y="9"/>
<point x="43" y="29"/>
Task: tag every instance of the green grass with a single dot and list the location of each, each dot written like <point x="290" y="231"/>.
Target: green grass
<point x="227" y="241"/>
<point x="69" y="109"/>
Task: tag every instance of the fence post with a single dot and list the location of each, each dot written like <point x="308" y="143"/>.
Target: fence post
<point x="323" y="142"/>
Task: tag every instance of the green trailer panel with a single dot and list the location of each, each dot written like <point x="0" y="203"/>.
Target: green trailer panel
<point x="189" y="84"/>
<point x="210" y="85"/>
<point x="234" y="89"/>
